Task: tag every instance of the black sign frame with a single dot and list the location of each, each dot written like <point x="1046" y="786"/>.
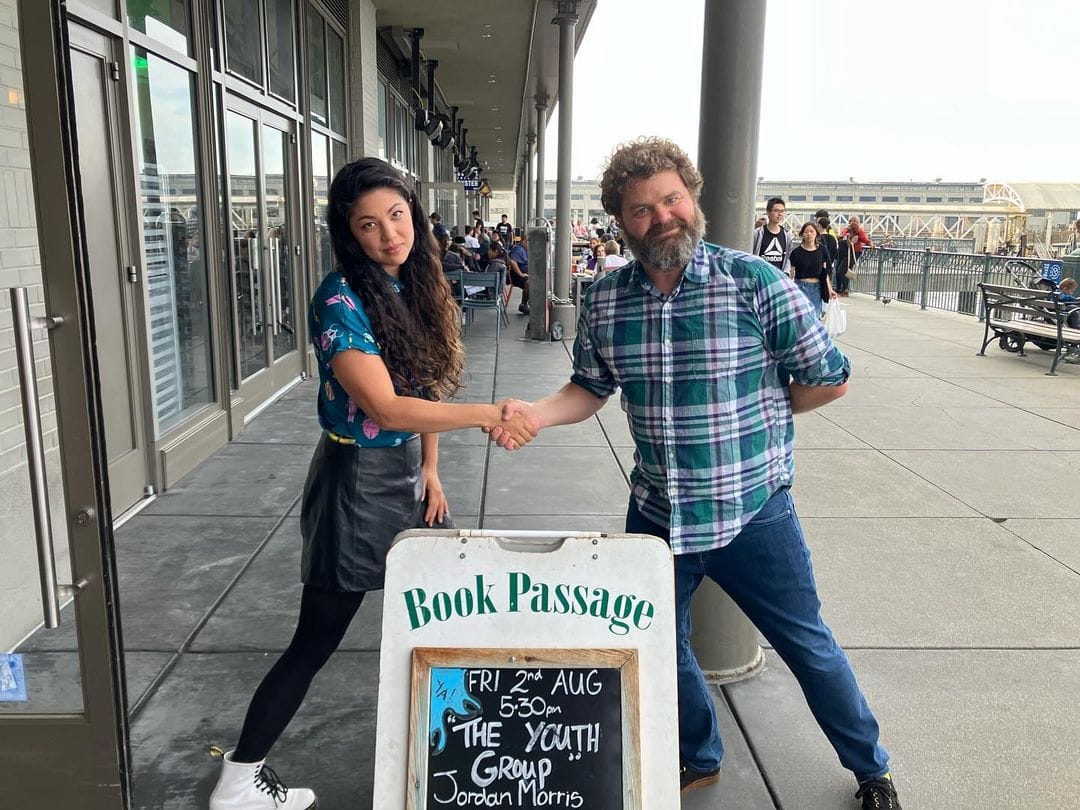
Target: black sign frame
<point x="425" y="659"/>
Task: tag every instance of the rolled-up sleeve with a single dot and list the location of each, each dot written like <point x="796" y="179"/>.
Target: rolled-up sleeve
<point x="794" y="334"/>
<point x="591" y="372"/>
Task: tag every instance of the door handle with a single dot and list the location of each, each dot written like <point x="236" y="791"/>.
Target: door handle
<point x="253" y="279"/>
<point x="274" y="291"/>
<point x="51" y="590"/>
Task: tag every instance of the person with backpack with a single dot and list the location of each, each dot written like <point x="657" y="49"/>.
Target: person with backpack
<point x="828" y="240"/>
<point x="774" y="241"/>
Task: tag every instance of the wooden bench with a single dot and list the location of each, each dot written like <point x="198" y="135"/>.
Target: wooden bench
<point x="1018" y="316"/>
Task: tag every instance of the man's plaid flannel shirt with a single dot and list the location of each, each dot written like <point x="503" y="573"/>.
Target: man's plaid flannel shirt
<point x="703" y="374"/>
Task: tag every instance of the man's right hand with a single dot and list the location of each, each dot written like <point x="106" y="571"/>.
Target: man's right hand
<point x="514" y="412"/>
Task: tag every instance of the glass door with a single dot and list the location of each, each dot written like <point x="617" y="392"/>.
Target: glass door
<point x="63" y="733"/>
<point x="261" y="161"/>
<point x="281" y="248"/>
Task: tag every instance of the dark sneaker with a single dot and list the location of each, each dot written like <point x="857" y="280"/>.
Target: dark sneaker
<point x="878" y="794"/>
<point x="524" y="309"/>
<point x="689" y="779"/>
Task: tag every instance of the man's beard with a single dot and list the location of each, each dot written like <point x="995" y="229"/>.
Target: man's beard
<point x="672" y="253"/>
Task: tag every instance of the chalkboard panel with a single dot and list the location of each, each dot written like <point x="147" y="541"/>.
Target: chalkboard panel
<point x="524" y="729"/>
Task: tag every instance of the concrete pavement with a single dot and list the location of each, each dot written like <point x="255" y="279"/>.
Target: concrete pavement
<point x="940" y="497"/>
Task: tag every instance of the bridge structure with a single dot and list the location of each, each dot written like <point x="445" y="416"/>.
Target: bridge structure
<point x="987" y="215"/>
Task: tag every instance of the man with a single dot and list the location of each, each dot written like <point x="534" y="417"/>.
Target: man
<point x="517" y="271"/>
<point x="461" y="247"/>
<point x="774" y="242"/>
<point x="451" y="258"/>
<point x="482" y="241"/>
<point x="701" y="339"/>
<point x="477" y="222"/>
<point x="827" y="238"/>
<point x="505" y="231"/>
<point x="1073" y="245"/>
<point x="471" y="242"/>
<point x="437" y="227"/>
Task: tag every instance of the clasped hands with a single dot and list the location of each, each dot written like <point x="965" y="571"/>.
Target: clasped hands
<point x="515" y="425"/>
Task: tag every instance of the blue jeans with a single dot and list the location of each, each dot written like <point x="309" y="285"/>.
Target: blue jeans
<point x="766" y="570"/>
<point x="812" y="291"/>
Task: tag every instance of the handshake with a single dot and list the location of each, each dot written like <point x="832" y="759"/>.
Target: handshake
<point x="513" y="423"/>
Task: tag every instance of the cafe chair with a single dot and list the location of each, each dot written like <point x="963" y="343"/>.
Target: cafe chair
<point x="457" y="287"/>
<point x="491" y="297"/>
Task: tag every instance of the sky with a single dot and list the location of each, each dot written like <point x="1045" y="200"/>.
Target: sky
<point x="917" y="90"/>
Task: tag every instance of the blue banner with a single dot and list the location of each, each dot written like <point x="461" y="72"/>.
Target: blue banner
<point x="12" y="678"/>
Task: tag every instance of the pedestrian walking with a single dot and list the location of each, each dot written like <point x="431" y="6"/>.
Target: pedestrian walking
<point x="846" y="262"/>
<point x="773" y="241"/>
<point x="808" y="265"/>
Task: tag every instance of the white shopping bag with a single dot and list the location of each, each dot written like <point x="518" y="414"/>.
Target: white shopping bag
<point x="835" y="318"/>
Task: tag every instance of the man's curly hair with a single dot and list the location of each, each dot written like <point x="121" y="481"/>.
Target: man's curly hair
<point x="641" y="159"/>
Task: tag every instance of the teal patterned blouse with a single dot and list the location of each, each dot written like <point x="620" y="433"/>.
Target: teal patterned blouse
<point x="337" y="322"/>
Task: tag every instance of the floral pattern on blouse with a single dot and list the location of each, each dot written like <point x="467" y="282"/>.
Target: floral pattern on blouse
<point x="337" y="322"/>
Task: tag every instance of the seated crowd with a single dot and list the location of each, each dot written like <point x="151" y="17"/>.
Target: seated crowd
<point x="502" y="247"/>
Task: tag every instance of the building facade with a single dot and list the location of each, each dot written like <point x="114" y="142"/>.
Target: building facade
<point x="208" y="131"/>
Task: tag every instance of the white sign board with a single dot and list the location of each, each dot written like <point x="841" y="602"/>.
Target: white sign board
<point x="500" y="648"/>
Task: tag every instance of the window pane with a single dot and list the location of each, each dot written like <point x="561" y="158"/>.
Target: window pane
<point x="382" y="121"/>
<point x="339" y="155"/>
<point x="335" y="53"/>
<point x="171" y="209"/>
<point x="167" y="21"/>
<point x="246" y="243"/>
<point x="279" y="39"/>
<point x="242" y="38"/>
<point x="316" y="56"/>
<point x="277" y="192"/>
<point x="320" y="179"/>
<point x="107" y="7"/>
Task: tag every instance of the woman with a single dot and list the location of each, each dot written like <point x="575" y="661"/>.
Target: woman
<point x="809" y="265"/>
<point x="590" y="255"/>
<point x="599" y="260"/>
<point x="386" y="337"/>
<point x="846" y="260"/>
<point x="612" y="258"/>
<point x="858" y="239"/>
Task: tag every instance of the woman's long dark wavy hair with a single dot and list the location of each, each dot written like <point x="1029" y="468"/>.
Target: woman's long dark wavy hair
<point x="418" y="330"/>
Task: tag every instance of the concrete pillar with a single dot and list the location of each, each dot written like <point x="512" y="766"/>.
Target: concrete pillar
<point x="566" y="18"/>
<point x="732" y="59"/>
<point x="364" y="77"/>
<point x="520" y="192"/>
<point x="530" y="140"/>
<point x="541" y="127"/>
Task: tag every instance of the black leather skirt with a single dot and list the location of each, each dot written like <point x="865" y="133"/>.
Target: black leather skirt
<point x="356" y="500"/>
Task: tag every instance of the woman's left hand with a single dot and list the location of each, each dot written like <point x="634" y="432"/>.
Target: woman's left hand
<point x="437" y="507"/>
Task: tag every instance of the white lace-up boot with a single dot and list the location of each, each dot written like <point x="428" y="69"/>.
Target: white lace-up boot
<point x="254" y="786"/>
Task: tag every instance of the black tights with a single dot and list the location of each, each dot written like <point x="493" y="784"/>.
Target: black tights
<point x="324" y="618"/>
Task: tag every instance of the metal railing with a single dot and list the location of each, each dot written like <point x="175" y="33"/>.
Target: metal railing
<point x="939" y="243"/>
<point x="947" y="281"/>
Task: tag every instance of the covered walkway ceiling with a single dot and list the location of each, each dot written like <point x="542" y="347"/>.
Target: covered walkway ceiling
<point x="494" y="56"/>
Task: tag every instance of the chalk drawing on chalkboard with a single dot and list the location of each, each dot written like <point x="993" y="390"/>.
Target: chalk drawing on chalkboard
<point x="524" y="728"/>
<point x="450" y="699"/>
